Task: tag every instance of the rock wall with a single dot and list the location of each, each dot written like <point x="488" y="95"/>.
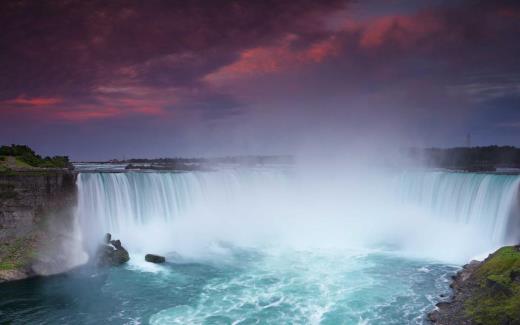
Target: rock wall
<point x="38" y="231"/>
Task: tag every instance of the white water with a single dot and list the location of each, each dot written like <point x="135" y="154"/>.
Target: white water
<point x="485" y="201"/>
<point x="437" y="215"/>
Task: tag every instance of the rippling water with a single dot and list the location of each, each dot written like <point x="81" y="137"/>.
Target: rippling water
<point x="236" y="287"/>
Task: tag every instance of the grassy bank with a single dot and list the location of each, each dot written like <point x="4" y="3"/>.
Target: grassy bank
<point x="21" y="157"/>
<point x="497" y="297"/>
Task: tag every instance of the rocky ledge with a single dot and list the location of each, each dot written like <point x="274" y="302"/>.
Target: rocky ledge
<point x="486" y="292"/>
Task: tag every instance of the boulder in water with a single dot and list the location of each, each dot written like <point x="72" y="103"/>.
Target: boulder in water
<point x="154" y="258"/>
<point x="112" y="253"/>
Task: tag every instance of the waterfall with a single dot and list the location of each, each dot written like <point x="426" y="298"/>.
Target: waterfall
<point x="124" y="203"/>
<point x="169" y="211"/>
<point x="486" y="201"/>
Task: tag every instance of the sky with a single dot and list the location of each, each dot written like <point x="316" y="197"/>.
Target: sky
<point x="99" y="79"/>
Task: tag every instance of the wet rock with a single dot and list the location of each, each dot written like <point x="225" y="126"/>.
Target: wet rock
<point x="433" y="316"/>
<point x="154" y="258"/>
<point x="442" y="305"/>
<point x="116" y="244"/>
<point x="15" y="274"/>
<point x="112" y="253"/>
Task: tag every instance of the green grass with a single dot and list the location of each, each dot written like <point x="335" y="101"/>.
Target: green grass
<point x="8" y="266"/>
<point x="14" y="162"/>
<point x="16" y="254"/>
<point x="3" y="167"/>
<point x="497" y="301"/>
<point x="19" y="163"/>
<point x="23" y="157"/>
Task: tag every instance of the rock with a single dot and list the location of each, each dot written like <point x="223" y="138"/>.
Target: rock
<point x="36" y="222"/>
<point x="116" y="244"/>
<point x="442" y="305"/>
<point x="499" y="284"/>
<point x="112" y="253"/>
<point x="14" y="274"/>
<point x="121" y="256"/>
<point x="433" y="316"/>
<point x="154" y="258"/>
<point x="515" y="275"/>
<point x="483" y="292"/>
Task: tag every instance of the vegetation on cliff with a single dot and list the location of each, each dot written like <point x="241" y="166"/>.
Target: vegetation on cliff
<point x="23" y="157"/>
<point x="476" y="159"/>
<point x="485" y="292"/>
<point x="17" y="254"/>
<point x="497" y="298"/>
<point x="36" y="199"/>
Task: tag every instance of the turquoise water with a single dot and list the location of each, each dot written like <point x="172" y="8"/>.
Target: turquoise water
<point x="244" y="287"/>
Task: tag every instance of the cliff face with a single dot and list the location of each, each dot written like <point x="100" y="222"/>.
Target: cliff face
<point x="37" y="226"/>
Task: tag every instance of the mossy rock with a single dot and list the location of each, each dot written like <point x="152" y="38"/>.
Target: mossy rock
<point x="17" y="254"/>
<point x="496" y="299"/>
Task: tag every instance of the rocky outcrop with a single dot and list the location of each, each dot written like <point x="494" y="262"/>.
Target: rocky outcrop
<point x="154" y="258"/>
<point x="486" y="292"/>
<point x="452" y="312"/>
<point x="37" y="230"/>
<point x="112" y="253"/>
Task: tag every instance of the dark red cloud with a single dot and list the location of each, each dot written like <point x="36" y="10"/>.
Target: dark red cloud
<point x="55" y="46"/>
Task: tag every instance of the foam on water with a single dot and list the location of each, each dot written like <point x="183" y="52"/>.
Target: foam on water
<point x="313" y="288"/>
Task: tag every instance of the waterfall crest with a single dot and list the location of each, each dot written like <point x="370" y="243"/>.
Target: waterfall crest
<point x="123" y="203"/>
<point x="471" y="213"/>
<point x="487" y="201"/>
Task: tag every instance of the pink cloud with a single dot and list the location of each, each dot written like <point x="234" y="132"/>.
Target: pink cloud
<point x="106" y="107"/>
<point x="272" y="59"/>
<point x="84" y="113"/>
<point x="35" y="101"/>
<point x="111" y="108"/>
<point x="403" y="30"/>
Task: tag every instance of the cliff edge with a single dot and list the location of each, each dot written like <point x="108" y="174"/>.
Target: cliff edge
<point x="486" y="292"/>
